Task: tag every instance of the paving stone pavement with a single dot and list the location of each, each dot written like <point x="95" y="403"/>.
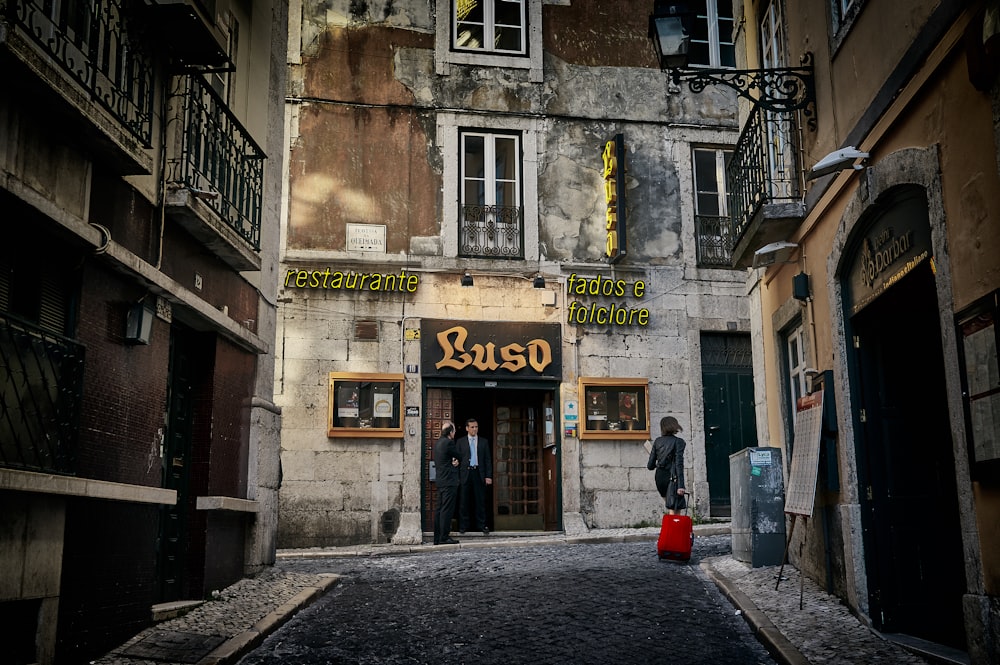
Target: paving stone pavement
<point x="823" y="632"/>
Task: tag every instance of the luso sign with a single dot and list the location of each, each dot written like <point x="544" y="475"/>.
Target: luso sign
<point x="614" y="195"/>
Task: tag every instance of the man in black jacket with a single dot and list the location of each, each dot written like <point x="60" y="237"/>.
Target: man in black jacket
<point x="447" y="480"/>
<point x="476" y="472"/>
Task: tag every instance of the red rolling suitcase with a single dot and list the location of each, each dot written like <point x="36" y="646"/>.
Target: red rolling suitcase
<point x="676" y="538"/>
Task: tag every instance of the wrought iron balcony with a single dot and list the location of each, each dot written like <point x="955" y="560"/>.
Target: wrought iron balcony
<point x="765" y="183"/>
<point x="491" y="232"/>
<point x="96" y="44"/>
<point x="215" y="160"/>
<point x="714" y="238"/>
<point x="41" y="382"/>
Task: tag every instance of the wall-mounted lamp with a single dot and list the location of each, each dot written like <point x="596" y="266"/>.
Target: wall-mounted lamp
<point x="539" y="282"/>
<point x="467" y="279"/>
<point x="779" y="89"/>
<point x="776" y="252"/>
<point x="838" y="160"/>
<point x="139" y="323"/>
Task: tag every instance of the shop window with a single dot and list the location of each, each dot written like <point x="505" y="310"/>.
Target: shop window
<point x="365" y="405"/>
<point x="491" y="215"/>
<point x="978" y="341"/>
<point x="614" y="408"/>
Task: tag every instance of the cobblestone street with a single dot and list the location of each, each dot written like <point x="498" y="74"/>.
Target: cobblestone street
<point x="588" y="603"/>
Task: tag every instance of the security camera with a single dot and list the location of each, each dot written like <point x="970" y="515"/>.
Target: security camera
<point x="838" y="160"/>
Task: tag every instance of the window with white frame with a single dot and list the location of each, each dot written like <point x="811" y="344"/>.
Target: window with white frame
<point x="713" y="226"/>
<point x="490" y="211"/>
<point x="498" y="26"/>
<point x="780" y="127"/>
<point x="795" y="364"/>
<point x="712" y="34"/>
<point x="489" y="33"/>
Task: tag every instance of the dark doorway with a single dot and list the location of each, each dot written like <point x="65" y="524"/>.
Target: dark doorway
<point x="730" y="419"/>
<point x="188" y="365"/>
<point x="519" y="424"/>
<point x="910" y="515"/>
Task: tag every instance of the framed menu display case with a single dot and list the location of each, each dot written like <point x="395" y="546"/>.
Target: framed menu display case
<point x="614" y="408"/>
<point x="978" y="342"/>
<point x="365" y="405"/>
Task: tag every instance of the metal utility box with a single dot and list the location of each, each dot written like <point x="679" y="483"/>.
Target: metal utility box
<point x="757" y="491"/>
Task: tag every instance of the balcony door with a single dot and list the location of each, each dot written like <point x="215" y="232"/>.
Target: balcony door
<point x="780" y="127"/>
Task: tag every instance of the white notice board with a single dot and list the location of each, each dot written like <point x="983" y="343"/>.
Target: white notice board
<point x="801" y="494"/>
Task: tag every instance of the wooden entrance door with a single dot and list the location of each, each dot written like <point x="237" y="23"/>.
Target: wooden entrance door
<point x="524" y="493"/>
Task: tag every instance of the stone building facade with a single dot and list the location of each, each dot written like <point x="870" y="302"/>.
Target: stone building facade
<point x="551" y="167"/>
<point x="140" y="192"/>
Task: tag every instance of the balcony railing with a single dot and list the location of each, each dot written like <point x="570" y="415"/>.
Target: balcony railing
<point x="714" y="237"/>
<point x="217" y="158"/>
<point x="41" y="381"/>
<point x="764" y="168"/>
<point x="491" y="232"/>
<point x="93" y="42"/>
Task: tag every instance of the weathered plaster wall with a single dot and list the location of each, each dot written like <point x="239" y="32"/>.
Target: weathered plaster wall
<point x="374" y="116"/>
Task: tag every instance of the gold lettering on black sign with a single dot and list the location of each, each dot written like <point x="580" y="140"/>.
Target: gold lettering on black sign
<point x="536" y="352"/>
<point x="886" y="251"/>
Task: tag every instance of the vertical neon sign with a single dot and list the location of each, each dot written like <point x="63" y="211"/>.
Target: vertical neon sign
<point x="614" y="195"/>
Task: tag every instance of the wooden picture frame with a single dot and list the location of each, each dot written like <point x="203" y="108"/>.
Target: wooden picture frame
<point x="614" y="408"/>
<point x="365" y="405"/>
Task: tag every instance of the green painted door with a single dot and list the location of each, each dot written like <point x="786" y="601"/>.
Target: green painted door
<point x="730" y="419"/>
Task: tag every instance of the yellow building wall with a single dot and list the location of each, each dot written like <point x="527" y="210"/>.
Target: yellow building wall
<point x="941" y="108"/>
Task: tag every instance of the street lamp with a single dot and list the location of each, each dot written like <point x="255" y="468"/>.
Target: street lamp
<point x="780" y="89"/>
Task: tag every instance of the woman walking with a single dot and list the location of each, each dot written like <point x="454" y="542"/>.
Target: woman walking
<point x="667" y="457"/>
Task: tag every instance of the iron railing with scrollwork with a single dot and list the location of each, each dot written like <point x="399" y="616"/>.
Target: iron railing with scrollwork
<point x="94" y="42"/>
<point x="491" y="232"/>
<point x="714" y="239"/>
<point x="764" y="168"/>
<point x="216" y="157"/>
<point x="41" y="382"/>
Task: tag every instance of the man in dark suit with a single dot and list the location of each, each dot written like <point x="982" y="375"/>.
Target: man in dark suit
<point x="446" y="463"/>
<point x="476" y="472"/>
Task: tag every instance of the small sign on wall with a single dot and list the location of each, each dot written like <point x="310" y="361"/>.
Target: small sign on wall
<point x="366" y="238"/>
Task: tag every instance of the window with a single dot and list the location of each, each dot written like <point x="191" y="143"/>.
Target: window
<point x="844" y="11"/>
<point x="712" y="34"/>
<point x="795" y="364"/>
<point x="713" y="226"/>
<point x="843" y="14"/>
<point x="614" y="408"/>
<point x="222" y="79"/>
<point x="505" y="34"/>
<point x="490" y="199"/>
<point x="497" y="26"/>
<point x="780" y="127"/>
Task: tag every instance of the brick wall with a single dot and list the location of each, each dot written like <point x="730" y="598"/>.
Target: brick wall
<point x="124" y="385"/>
